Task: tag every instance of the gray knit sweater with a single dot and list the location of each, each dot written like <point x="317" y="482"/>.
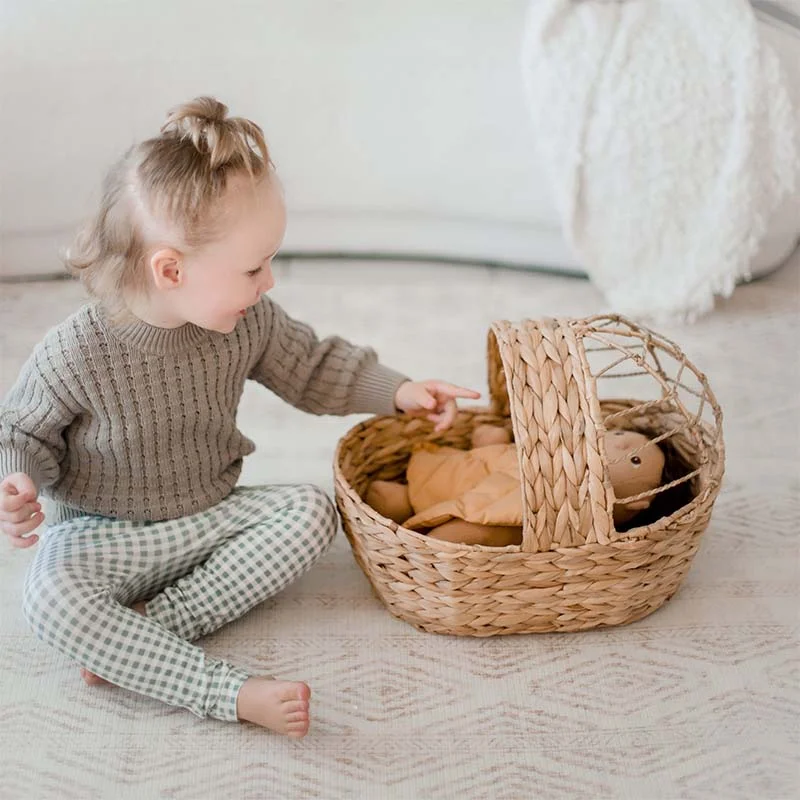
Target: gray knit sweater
<point x="139" y="423"/>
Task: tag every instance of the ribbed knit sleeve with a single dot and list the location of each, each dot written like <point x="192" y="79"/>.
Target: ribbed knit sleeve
<point x="33" y="418"/>
<point x="328" y="376"/>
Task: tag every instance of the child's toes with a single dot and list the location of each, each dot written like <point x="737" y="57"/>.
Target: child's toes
<point x="303" y="692"/>
<point x="296" y="730"/>
<point x="295" y="705"/>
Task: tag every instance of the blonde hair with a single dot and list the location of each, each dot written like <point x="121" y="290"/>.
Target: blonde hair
<point x="177" y="178"/>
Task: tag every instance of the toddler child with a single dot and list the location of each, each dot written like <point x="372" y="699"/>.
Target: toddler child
<point x="125" y="416"/>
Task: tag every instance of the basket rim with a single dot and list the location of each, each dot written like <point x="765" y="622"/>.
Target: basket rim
<point x="623" y="539"/>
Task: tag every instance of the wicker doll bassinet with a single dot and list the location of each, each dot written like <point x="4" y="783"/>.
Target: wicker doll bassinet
<point x="574" y="570"/>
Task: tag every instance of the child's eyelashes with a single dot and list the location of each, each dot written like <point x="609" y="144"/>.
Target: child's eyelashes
<point x="253" y="272"/>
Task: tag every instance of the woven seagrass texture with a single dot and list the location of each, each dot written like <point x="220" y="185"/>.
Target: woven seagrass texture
<point x="574" y="570"/>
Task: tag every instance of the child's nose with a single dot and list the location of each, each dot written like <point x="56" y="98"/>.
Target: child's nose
<point x="269" y="280"/>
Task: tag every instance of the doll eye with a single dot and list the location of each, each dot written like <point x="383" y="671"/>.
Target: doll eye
<point x="636" y="460"/>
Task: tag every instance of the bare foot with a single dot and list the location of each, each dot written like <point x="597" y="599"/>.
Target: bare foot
<point x="89" y="678"/>
<point x="281" y="706"/>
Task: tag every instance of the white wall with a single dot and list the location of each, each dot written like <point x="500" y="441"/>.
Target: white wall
<point x="395" y="124"/>
<point x="398" y="126"/>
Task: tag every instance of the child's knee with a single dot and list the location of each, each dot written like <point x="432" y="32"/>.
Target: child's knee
<point x="320" y="514"/>
<point x="48" y="597"/>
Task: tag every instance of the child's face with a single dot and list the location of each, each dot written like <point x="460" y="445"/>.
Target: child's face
<point x="224" y="278"/>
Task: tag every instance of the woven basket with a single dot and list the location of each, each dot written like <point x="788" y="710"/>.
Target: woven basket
<point x="574" y="570"/>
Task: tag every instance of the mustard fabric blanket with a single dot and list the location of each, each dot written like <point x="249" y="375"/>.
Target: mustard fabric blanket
<point x="480" y="485"/>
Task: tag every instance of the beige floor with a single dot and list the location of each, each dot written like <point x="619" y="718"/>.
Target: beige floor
<point x="699" y="700"/>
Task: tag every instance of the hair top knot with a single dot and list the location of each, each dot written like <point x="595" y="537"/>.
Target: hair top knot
<point x="205" y="123"/>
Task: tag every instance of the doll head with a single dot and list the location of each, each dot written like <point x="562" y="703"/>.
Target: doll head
<point x="635" y="465"/>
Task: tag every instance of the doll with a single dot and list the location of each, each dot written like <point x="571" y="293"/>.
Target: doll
<point x="473" y="496"/>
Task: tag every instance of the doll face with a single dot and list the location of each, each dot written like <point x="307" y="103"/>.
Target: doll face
<point x="632" y="470"/>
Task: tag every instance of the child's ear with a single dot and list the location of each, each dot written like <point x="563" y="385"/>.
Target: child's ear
<point x="166" y="268"/>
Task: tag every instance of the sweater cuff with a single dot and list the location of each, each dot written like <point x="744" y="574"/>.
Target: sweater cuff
<point x="375" y="389"/>
<point x="12" y="461"/>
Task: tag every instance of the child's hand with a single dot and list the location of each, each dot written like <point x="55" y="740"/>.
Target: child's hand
<point x="20" y="512"/>
<point x="433" y="400"/>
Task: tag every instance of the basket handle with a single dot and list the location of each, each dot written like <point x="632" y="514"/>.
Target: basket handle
<point x="539" y="376"/>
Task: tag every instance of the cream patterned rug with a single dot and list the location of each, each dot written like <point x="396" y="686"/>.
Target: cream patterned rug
<point x="699" y="700"/>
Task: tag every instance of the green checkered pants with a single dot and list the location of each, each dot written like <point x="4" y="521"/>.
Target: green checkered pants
<point x="197" y="573"/>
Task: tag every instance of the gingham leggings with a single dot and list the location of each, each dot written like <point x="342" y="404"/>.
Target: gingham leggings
<point x="197" y="573"/>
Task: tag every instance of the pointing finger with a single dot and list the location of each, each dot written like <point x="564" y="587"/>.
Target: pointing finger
<point x="452" y="390"/>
